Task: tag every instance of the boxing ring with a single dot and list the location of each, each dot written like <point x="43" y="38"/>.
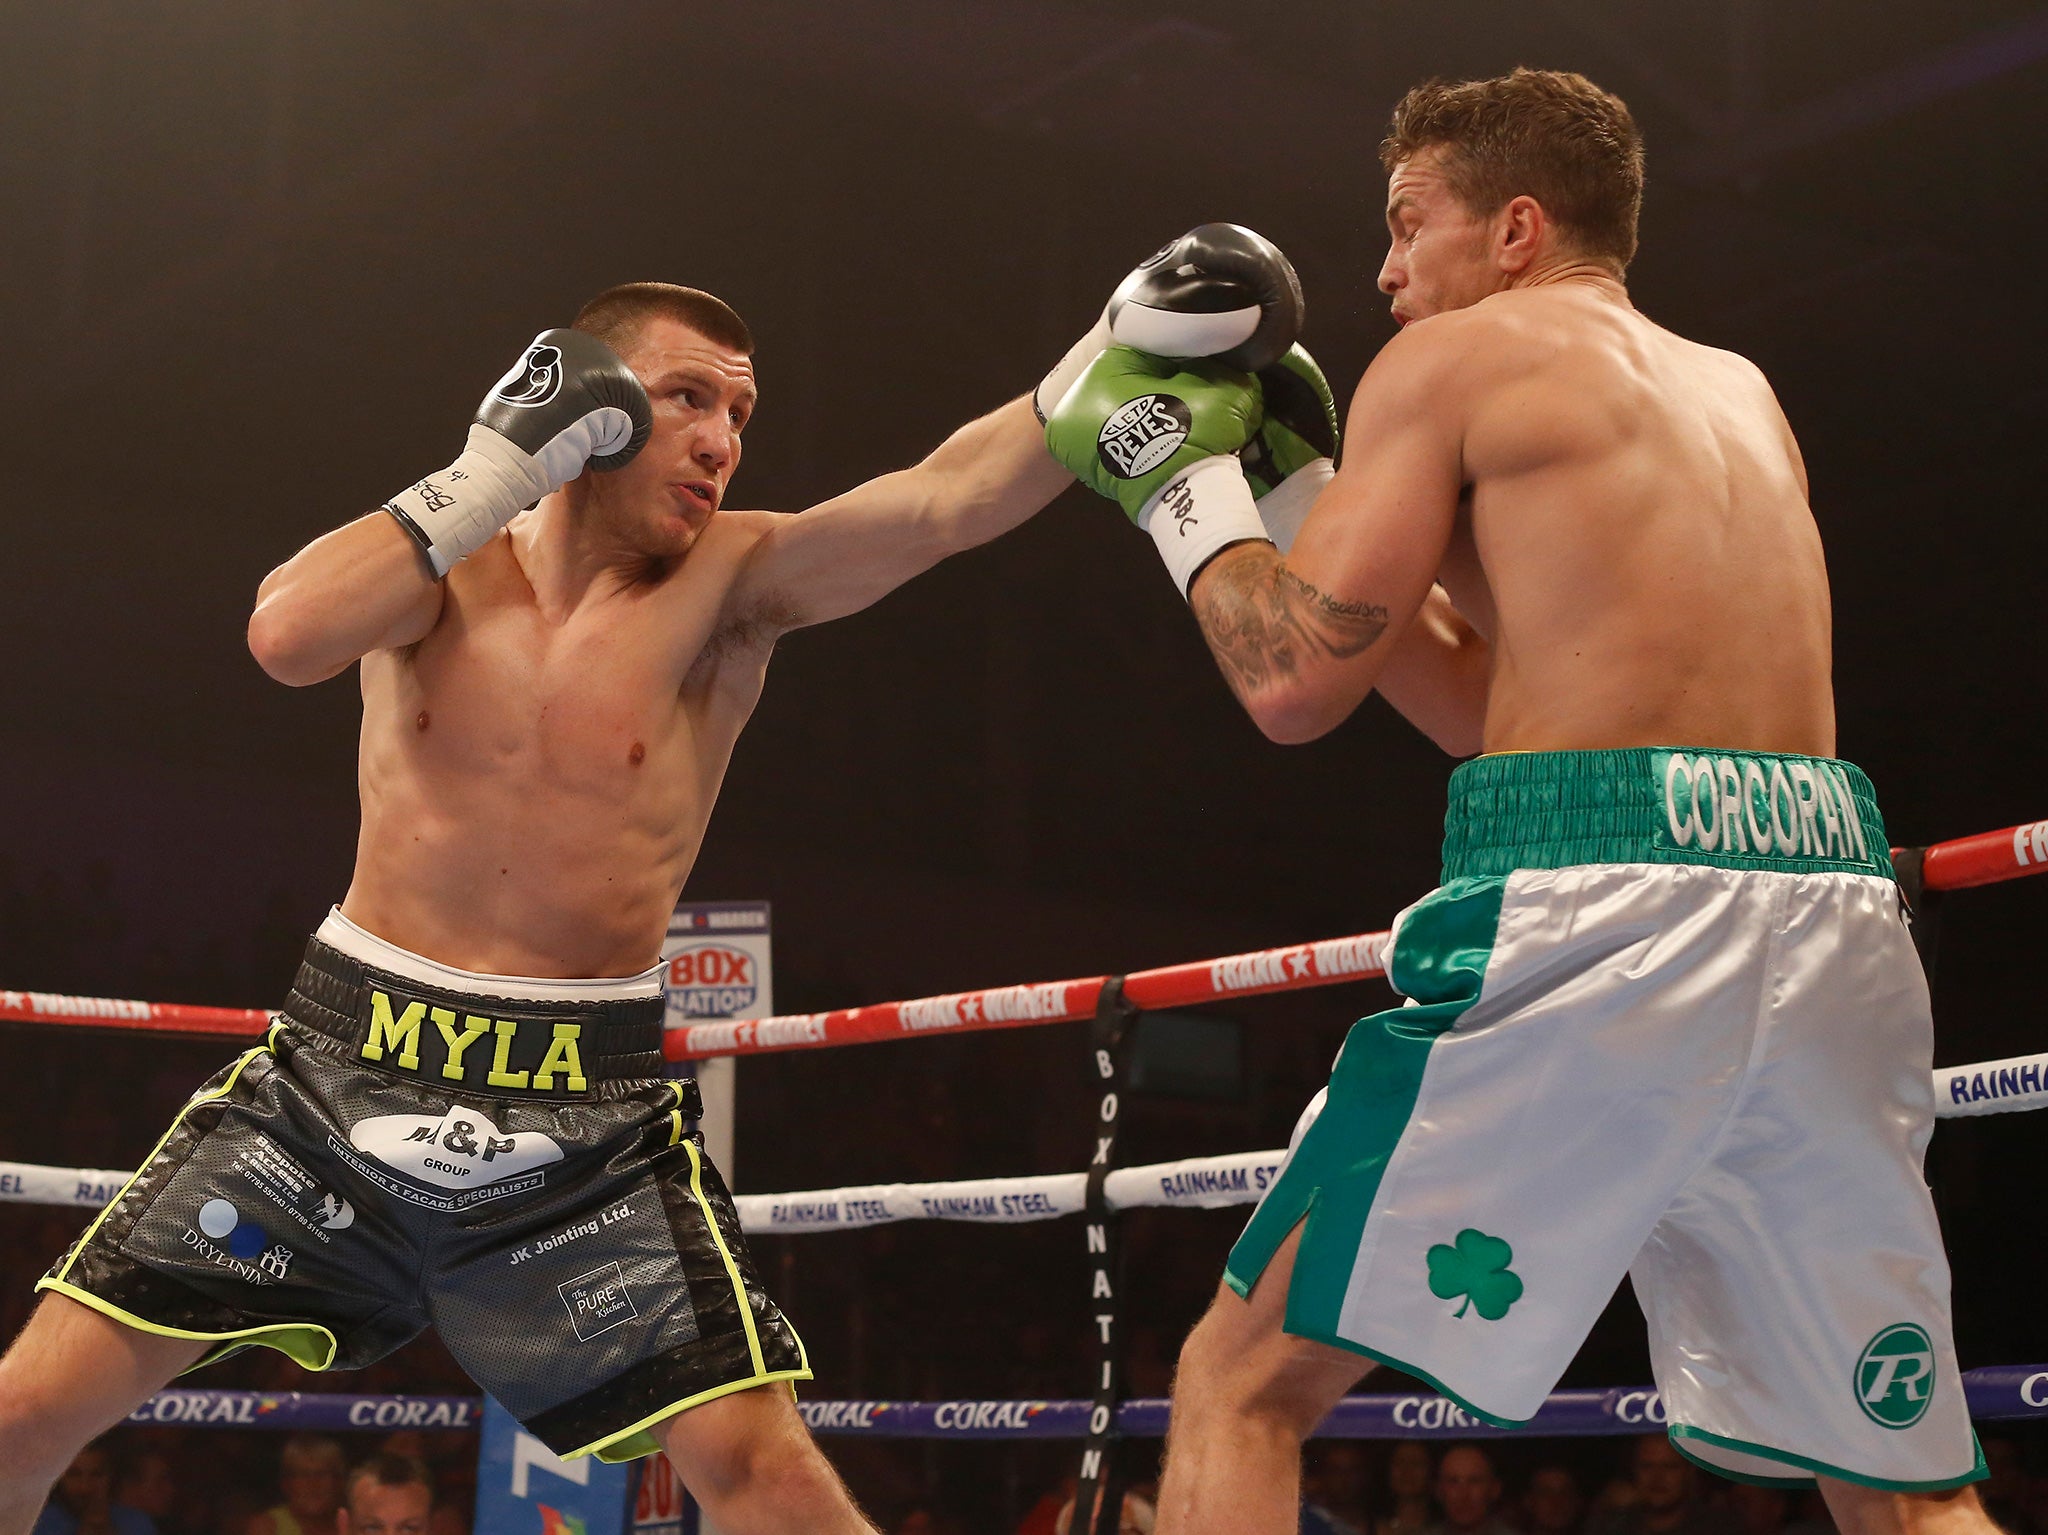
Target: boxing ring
<point x="1110" y="1005"/>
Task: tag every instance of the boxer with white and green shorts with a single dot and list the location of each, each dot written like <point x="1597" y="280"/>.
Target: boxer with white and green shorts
<point x="1664" y="1018"/>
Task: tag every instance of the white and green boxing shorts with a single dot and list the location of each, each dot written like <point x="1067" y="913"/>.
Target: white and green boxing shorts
<point x="1664" y="1018"/>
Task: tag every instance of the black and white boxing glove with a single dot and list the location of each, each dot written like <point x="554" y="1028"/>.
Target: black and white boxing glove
<point x="568" y="404"/>
<point x="1220" y="292"/>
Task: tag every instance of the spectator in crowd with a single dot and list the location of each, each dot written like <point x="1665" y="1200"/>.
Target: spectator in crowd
<point x="82" y="1502"/>
<point x="387" y="1495"/>
<point x="452" y="1468"/>
<point x="1552" y="1503"/>
<point x="1663" y="1498"/>
<point x="1468" y="1491"/>
<point x="1334" y="1488"/>
<point x="1409" y="1474"/>
<point x="146" y="1483"/>
<point x="311" y="1470"/>
<point x="1136" y="1519"/>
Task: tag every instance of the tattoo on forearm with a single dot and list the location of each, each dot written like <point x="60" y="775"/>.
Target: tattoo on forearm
<point x="1262" y="620"/>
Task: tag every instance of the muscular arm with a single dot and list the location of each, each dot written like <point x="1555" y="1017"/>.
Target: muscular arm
<point x="361" y="588"/>
<point x="1302" y="640"/>
<point x="848" y="552"/>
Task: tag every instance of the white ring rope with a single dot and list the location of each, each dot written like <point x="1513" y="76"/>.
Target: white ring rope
<point x="1194" y="1183"/>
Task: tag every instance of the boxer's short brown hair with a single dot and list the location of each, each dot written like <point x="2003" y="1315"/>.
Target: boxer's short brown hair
<point x="618" y="315"/>
<point x="1544" y="133"/>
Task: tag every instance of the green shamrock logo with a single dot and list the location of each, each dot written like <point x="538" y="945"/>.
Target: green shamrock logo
<point x="1476" y="1267"/>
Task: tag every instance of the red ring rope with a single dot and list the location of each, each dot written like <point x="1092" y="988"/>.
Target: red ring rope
<point x="1983" y="859"/>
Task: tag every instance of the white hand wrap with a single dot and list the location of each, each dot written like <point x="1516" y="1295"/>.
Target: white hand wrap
<point x="1199" y="511"/>
<point x="1054" y="386"/>
<point x="454" y="513"/>
<point x="1284" y="508"/>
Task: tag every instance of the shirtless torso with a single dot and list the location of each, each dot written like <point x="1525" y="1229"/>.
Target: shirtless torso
<point x="545" y="731"/>
<point x="1557" y="526"/>
<point x="1633" y="541"/>
<point x="534" y="791"/>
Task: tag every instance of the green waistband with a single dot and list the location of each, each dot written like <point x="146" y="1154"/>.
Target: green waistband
<point x="1661" y="804"/>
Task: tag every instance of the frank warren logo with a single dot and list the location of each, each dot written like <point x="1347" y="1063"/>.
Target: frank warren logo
<point x="534" y="380"/>
<point x="711" y="980"/>
<point x="1895" y="1376"/>
<point x="1142" y="434"/>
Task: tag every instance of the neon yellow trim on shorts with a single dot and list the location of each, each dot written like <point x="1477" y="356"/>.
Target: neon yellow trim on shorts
<point x="278" y="1335"/>
<point x="177" y="1119"/>
<point x="675" y="1118"/>
<point x="632" y="1442"/>
<point x="739" y="1288"/>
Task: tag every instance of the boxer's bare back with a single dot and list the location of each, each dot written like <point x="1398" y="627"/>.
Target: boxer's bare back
<point x="545" y="732"/>
<point x="1615" y="519"/>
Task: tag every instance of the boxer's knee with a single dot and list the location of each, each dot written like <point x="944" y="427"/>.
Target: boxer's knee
<point x="1239" y="1362"/>
<point x="753" y="1465"/>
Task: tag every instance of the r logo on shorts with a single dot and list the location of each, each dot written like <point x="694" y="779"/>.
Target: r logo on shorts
<point x="1895" y="1376"/>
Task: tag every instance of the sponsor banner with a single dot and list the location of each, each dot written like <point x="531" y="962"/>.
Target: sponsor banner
<point x="999" y="1007"/>
<point x="1328" y="962"/>
<point x="661" y="1506"/>
<point x="524" y="1488"/>
<point x="1991" y="1087"/>
<point x="316" y="1411"/>
<point x="716" y="962"/>
<point x="26" y="1183"/>
<point x="1200" y="1183"/>
<point x="1987" y="857"/>
<point x="1996" y="1392"/>
<point x="120" y="1013"/>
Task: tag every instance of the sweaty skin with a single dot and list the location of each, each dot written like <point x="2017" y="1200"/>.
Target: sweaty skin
<point x="1613" y="519"/>
<point x="545" y="732"/>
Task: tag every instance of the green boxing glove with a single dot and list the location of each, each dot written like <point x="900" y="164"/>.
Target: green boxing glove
<point x="1161" y="440"/>
<point x="1294" y="455"/>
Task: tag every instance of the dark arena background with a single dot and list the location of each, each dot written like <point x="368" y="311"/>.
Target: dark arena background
<point x="261" y="256"/>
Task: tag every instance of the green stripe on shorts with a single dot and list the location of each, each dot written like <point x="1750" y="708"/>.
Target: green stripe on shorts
<point x="1439" y="960"/>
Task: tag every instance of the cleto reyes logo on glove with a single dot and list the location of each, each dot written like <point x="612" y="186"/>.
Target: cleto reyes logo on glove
<point x="534" y="380"/>
<point x="1142" y="434"/>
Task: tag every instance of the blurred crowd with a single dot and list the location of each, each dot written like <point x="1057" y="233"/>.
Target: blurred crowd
<point x="194" y="1482"/>
<point x="148" y="1481"/>
<point x="1408" y="1487"/>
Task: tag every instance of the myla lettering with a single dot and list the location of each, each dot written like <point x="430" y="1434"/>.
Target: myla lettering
<point x="395" y="1034"/>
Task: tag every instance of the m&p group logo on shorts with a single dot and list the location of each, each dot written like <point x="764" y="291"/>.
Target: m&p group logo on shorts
<point x="1895" y="1376"/>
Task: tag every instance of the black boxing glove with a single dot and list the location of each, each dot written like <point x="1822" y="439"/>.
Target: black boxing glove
<point x="1219" y="292"/>
<point x="567" y="405"/>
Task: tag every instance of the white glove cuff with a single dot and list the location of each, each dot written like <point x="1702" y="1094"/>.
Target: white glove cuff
<point x="1054" y="386"/>
<point x="1284" y="508"/>
<point x="454" y="513"/>
<point x="1204" y="508"/>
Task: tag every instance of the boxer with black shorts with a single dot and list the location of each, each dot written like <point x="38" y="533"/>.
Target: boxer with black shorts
<point x="460" y="1116"/>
